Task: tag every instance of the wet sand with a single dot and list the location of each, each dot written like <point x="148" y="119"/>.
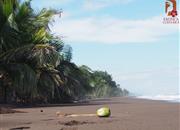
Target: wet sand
<point x="126" y="114"/>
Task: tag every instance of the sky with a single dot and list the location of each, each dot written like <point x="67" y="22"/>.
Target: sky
<point x="126" y="38"/>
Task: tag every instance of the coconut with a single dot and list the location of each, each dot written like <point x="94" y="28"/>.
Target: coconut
<point x="103" y="112"/>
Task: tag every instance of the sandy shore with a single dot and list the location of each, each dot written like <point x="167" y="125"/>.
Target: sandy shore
<point x="127" y="114"/>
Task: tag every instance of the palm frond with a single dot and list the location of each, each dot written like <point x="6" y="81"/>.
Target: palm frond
<point x="45" y="55"/>
<point x="24" y="80"/>
<point x="37" y="56"/>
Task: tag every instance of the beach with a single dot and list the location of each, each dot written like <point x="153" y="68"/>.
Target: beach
<point x="126" y="114"/>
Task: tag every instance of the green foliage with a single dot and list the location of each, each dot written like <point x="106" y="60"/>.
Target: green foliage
<point x="101" y="83"/>
<point x="57" y="44"/>
<point x="8" y="27"/>
<point x="67" y="53"/>
<point x="75" y="83"/>
<point x="35" y="66"/>
<point x="24" y="80"/>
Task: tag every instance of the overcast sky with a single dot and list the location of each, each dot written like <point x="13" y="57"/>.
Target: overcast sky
<point x="124" y="37"/>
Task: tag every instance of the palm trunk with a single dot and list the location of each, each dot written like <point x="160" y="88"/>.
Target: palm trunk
<point x="5" y="94"/>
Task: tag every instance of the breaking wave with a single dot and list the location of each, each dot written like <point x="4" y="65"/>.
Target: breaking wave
<point x="170" y="98"/>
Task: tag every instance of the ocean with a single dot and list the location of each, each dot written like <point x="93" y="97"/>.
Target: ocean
<point x="169" y="98"/>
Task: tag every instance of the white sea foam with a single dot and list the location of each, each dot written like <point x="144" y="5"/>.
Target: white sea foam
<point x="171" y="98"/>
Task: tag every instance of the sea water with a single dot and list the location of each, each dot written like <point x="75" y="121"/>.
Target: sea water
<point x="169" y="98"/>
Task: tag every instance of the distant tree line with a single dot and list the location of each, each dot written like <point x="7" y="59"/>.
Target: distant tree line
<point x="35" y="65"/>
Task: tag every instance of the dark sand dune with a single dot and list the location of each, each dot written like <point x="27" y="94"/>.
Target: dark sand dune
<point x="127" y="114"/>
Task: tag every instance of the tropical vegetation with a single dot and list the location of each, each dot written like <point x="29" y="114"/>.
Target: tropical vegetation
<point x="35" y="65"/>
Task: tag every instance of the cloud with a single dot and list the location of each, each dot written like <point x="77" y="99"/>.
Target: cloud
<point x="47" y="3"/>
<point x="147" y="74"/>
<point x="135" y="76"/>
<point x="88" y="5"/>
<point x="85" y="4"/>
<point x="98" y="4"/>
<point x="110" y="30"/>
<point x="152" y="82"/>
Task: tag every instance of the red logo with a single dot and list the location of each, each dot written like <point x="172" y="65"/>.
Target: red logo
<point x="171" y="8"/>
<point x="171" y="12"/>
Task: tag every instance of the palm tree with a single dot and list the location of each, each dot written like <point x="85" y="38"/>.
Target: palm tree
<point x="35" y="65"/>
<point x="76" y="83"/>
<point x="25" y="52"/>
<point x="8" y="28"/>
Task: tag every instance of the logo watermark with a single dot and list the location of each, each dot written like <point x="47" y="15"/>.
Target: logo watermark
<point x="171" y="12"/>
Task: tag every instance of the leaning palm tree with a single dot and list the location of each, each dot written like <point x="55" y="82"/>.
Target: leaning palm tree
<point x="34" y="65"/>
<point x="8" y="27"/>
<point x="25" y="53"/>
<point x="25" y="67"/>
